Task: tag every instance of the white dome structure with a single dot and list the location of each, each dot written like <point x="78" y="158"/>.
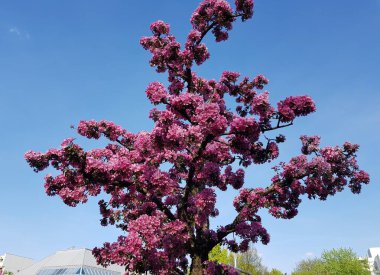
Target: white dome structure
<point x="71" y="262"/>
<point x="13" y="263"/>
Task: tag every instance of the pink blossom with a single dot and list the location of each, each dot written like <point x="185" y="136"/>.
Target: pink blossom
<point x="159" y="27"/>
<point x="310" y="144"/>
<point x="229" y="77"/>
<point x="217" y="11"/>
<point x="261" y="106"/>
<point x="245" y="7"/>
<point x="209" y="117"/>
<point x="200" y="53"/>
<point x="295" y="106"/>
<point x="260" y="81"/>
<point x="36" y="160"/>
<point x="246" y="127"/>
<point x="350" y="148"/>
<point x="156" y="92"/>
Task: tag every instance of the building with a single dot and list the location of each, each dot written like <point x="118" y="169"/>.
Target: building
<point x="374" y="260"/>
<point x="71" y="262"/>
<point x="13" y="263"/>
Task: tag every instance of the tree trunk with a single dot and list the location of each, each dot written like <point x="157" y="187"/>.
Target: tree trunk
<point x="196" y="265"/>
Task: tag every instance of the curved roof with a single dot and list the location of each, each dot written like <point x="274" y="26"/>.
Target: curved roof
<point x="71" y="258"/>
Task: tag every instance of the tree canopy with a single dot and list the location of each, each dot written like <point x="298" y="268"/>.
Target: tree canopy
<point x="162" y="183"/>
<point x="335" y="261"/>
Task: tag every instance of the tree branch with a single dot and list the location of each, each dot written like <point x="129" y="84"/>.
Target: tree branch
<point x="160" y="205"/>
<point x="277" y="127"/>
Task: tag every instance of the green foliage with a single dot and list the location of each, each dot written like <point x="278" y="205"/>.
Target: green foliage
<point x="221" y="255"/>
<point x="275" y="271"/>
<point x="308" y="267"/>
<point x="342" y="261"/>
<point x="249" y="262"/>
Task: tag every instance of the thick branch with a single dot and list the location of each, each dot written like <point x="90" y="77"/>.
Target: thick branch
<point x="182" y="113"/>
<point x="205" y="32"/>
<point x="160" y="206"/>
<point x="182" y="212"/>
<point x="230" y="228"/>
<point x="189" y="181"/>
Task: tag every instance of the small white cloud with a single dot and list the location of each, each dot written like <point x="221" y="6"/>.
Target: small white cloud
<point x="15" y="31"/>
<point x="19" y="33"/>
<point x="309" y="254"/>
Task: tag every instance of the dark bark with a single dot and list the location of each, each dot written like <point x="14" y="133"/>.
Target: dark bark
<point x="196" y="267"/>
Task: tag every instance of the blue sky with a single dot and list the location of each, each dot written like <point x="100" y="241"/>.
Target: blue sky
<point x="63" y="61"/>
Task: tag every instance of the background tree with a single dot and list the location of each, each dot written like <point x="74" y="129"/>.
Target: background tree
<point x="250" y="261"/>
<point x="308" y="267"/>
<point x="275" y="271"/>
<point x="344" y="261"/>
<point x="221" y="255"/>
<point x="162" y="184"/>
<point x="335" y="261"/>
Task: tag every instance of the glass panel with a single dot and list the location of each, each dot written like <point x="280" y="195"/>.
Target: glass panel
<point x="59" y="271"/>
<point x="99" y="271"/>
<point x="87" y="271"/>
<point x="76" y="271"/>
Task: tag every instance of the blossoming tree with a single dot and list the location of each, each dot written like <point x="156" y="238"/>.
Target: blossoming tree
<point x="162" y="184"/>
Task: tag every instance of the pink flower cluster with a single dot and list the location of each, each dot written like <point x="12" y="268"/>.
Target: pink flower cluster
<point x="204" y="206"/>
<point x="325" y="174"/>
<point x="260" y="81"/>
<point x="262" y="107"/>
<point x="150" y="245"/>
<point x="210" y="117"/>
<point x="245" y="7"/>
<point x="213" y="12"/>
<point x="156" y="92"/>
<point x="94" y="129"/>
<point x="295" y="106"/>
<point x="310" y="144"/>
<point x="236" y="179"/>
<point x="37" y="160"/>
<point x="246" y="127"/>
<point x="160" y="27"/>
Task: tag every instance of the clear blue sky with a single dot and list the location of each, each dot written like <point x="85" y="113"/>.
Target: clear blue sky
<point x="63" y="61"/>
